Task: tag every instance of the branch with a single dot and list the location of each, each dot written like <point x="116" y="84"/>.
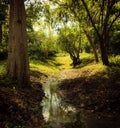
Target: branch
<point x="113" y="21"/>
<point x="90" y="17"/>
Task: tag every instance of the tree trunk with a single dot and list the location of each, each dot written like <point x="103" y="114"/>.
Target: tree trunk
<point x="75" y="59"/>
<point x="101" y="36"/>
<point x="18" y="65"/>
<point x="93" y="46"/>
<point x="104" y="55"/>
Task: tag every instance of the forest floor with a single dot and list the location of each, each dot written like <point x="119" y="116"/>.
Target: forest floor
<point x="91" y="86"/>
<point x="20" y="107"/>
<point x="93" y="89"/>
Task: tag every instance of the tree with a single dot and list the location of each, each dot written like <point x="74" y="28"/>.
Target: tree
<point x="108" y="13"/>
<point x="18" y="65"/>
<point x="33" y="13"/>
<point x="70" y="42"/>
<point x="102" y="15"/>
<point x="74" y="11"/>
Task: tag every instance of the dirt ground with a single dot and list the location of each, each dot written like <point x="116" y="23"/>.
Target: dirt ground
<point x="20" y="107"/>
<point x="90" y="89"/>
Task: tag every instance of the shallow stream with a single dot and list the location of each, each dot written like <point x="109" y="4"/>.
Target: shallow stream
<point x="58" y="114"/>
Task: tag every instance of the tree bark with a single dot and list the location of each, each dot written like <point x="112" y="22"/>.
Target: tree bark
<point x="101" y="35"/>
<point x="93" y="46"/>
<point x="104" y="55"/>
<point x="18" y="65"/>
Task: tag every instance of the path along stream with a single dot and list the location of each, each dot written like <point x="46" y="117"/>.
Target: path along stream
<point x="58" y="114"/>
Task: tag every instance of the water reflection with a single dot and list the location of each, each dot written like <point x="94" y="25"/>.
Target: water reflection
<point x="61" y="115"/>
<point x="54" y="110"/>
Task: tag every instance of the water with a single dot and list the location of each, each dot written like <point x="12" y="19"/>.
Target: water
<point x="58" y="114"/>
<point x="55" y="110"/>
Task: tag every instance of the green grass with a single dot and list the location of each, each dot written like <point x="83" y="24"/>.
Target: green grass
<point x="52" y="66"/>
<point x="115" y="60"/>
<point x="2" y="68"/>
<point x="63" y="61"/>
<point x="46" y="68"/>
<point x="86" y="56"/>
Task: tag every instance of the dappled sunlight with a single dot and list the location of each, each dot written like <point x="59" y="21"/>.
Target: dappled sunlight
<point x="2" y="68"/>
<point x="64" y="61"/>
<point x="47" y="70"/>
<point x="72" y="95"/>
<point x="59" y="64"/>
<point x="87" y="71"/>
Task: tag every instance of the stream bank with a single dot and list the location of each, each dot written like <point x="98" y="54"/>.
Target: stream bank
<point x="77" y="98"/>
<point x="82" y="99"/>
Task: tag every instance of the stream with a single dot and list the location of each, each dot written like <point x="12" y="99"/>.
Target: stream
<point x="58" y="114"/>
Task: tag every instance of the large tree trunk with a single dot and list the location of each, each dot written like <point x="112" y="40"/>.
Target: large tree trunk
<point x="18" y="65"/>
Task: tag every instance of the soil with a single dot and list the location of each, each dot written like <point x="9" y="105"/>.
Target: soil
<point x="94" y="91"/>
<point x="89" y="89"/>
<point x="20" y="107"/>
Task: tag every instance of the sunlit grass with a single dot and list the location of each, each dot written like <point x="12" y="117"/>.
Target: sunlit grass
<point x="86" y="56"/>
<point x="2" y="68"/>
<point x="94" y="68"/>
<point x="63" y="61"/>
<point x="44" y="68"/>
<point x="52" y="66"/>
<point x="115" y="60"/>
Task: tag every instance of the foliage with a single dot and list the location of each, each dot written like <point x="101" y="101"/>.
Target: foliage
<point x="3" y="28"/>
<point x="41" y="46"/>
<point x="98" y="21"/>
<point x="115" y="43"/>
<point x="33" y="13"/>
<point x="70" y="41"/>
<point x="3" y="10"/>
<point x="2" y="68"/>
<point x="115" y="60"/>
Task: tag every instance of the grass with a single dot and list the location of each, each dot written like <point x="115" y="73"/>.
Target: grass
<point x="95" y="86"/>
<point x="63" y="61"/>
<point x="115" y="60"/>
<point x="44" y="68"/>
<point x="100" y="82"/>
<point x="52" y="66"/>
<point x="2" y="68"/>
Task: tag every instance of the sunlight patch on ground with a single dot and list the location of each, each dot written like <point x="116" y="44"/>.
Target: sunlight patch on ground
<point x="63" y="61"/>
<point x="47" y="70"/>
<point x="2" y="67"/>
<point x="86" y="71"/>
